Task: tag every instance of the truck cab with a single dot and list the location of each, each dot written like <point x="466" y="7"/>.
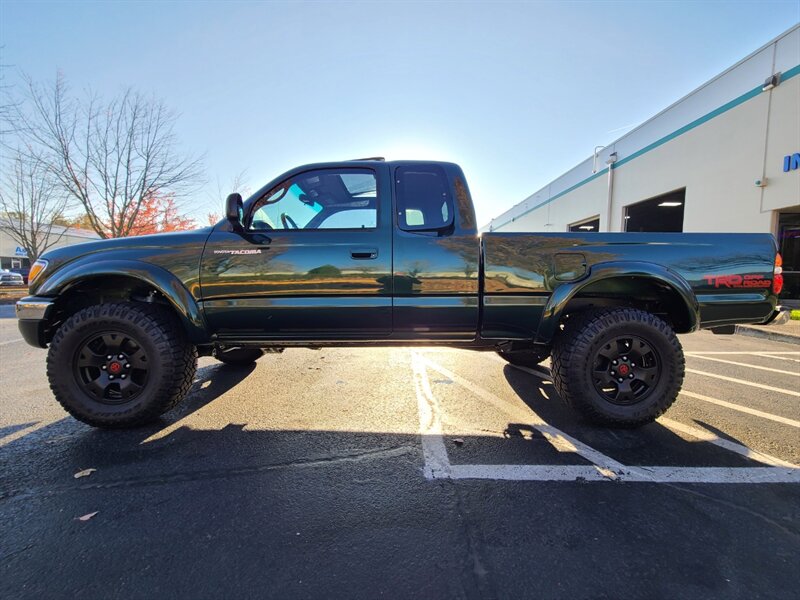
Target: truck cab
<point x="362" y="250"/>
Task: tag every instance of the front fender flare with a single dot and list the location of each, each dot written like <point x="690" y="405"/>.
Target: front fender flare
<point x="159" y="278"/>
<point x="559" y="299"/>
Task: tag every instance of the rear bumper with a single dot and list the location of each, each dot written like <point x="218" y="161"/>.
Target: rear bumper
<point x="33" y="317"/>
<point x="778" y="316"/>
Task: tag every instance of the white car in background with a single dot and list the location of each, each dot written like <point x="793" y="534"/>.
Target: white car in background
<point x="10" y="278"/>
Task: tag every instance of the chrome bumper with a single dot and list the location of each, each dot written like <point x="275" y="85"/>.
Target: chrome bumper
<point x="33" y="308"/>
<point x="32" y="315"/>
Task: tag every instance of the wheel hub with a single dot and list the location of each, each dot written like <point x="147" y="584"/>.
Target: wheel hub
<point x="115" y="368"/>
<point x="111" y="367"/>
<point x="626" y="369"/>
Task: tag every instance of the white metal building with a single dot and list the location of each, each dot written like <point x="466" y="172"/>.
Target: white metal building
<point x="13" y="255"/>
<point x="725" y="158"/>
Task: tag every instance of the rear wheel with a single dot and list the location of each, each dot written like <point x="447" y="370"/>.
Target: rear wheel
<point x="621" y="367"/>
<point x="525" y="358"/>
<point x="239" y="356"/>
<point x="120" y="364"/>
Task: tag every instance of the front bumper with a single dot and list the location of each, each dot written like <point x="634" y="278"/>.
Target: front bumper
<point x="33" y="314"/>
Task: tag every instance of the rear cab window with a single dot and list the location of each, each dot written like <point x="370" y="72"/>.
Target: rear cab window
<point x="423" y="195"/>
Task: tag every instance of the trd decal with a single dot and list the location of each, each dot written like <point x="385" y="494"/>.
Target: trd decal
<point x="738" y="281"/>
<point x="252" y="251"/>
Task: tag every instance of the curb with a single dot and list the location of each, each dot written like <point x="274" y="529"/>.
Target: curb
<point x="775" y="336"/>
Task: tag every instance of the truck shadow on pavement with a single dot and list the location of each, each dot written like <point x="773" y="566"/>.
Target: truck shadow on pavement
<point x="207" y="508"/>
<point x="70" y="438"/>
<point x="176" y="437"/>
<point x="653" y="444"/>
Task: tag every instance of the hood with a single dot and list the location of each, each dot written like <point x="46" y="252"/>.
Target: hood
<point x="155" y="240"/>
<point x="143" y="248"/>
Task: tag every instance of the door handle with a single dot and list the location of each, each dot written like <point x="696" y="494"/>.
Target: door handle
<point x="364" y="253"/>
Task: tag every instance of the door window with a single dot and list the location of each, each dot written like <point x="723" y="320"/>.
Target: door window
<point x="321" y="199"/>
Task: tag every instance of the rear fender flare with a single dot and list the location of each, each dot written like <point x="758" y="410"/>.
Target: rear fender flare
<point x="554" y="310"/>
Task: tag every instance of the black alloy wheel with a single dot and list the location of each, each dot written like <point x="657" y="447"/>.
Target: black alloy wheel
<point x="112" y="367"/>
<point x="626" y="370"/>
<point x="620" y="367"/>
<point x="120" y="364"/>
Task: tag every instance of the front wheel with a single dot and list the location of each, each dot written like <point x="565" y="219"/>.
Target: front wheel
<point x="620" y="367"/>
<point x="120" y="364"/>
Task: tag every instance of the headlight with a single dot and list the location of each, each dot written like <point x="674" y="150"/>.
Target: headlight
<point x="36" y="269"/>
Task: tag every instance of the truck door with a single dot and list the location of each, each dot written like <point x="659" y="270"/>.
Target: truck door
<point x="313" y="260"/>
<point x="436" y="254"/>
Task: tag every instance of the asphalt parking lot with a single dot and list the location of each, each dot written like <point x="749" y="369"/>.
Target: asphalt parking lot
<point x="406" y="473"/>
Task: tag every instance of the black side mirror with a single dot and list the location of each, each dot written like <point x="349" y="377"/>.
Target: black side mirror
<point x="234" y="210"/>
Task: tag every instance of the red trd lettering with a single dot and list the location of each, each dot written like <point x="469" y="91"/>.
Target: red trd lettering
<point x="753" y="280"/>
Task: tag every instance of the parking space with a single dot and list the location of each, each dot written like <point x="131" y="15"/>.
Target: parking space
<point x="406" y="472"/>
<point x="549" y="444"/>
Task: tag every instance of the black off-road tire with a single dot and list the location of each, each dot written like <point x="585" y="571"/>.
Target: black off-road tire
<point x="580" y="354"/>
<point x="525" y="358"/>
<point x="239" y="357"/>
<point x="169" y="363"/>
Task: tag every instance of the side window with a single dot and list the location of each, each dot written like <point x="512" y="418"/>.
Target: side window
<point x="322" y="199"/>
<point x="423" y="198"/>
<point x="359" y="218"/>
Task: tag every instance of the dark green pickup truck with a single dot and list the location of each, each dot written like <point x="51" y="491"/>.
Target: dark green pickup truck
<point x="375" y="253"/>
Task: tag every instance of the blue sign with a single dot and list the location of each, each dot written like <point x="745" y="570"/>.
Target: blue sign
<point x="20" y="251"/>
<point x="791" y="162"/>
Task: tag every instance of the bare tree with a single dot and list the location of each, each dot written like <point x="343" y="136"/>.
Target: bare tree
<point x="31" y="202"/>
<point x="6" y="101"/>
<point x="108" y="156"/>
<point x="238" y="183"/>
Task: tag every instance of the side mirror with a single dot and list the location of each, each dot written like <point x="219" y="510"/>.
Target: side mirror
<point x="234" y="210"/>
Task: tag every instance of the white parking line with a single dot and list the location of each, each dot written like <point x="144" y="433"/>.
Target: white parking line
<point x="743" y="382"/>
<point x="786" y="358"/>
<point x="561" y="441"/>
<point x="706" y="436"/>
<point x="604" y="467"/>
<point x="741" y="364"/>
<point x="736" y="475"/>
<point x="744" y="409"/>
<point x="751" y="352"/>
<point x="14" y="341"/>
<point x="529" y="472"/>
<point x="437" y="465"/>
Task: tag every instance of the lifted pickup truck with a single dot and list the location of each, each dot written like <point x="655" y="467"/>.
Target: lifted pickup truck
<point x="369" y="253"/>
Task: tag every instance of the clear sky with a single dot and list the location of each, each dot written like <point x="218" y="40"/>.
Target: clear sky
<point x="516" y="92"/>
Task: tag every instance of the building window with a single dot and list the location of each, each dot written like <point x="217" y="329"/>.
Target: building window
<point x="586" y="226"/>
<point x="659" y="214"/>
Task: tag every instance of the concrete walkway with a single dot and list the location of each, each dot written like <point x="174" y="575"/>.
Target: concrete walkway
<point x="788" y="332"/>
